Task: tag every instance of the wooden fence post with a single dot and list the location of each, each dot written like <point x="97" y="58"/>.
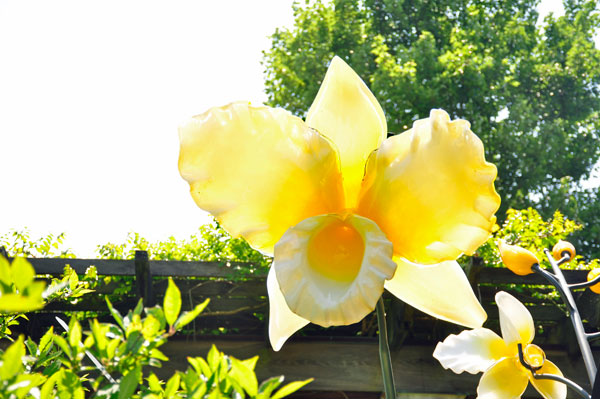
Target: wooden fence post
<point x="143" y="278"/>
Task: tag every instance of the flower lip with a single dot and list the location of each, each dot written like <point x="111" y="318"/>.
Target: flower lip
<point x="336" y="251"/>
<point x="333" y="297"/>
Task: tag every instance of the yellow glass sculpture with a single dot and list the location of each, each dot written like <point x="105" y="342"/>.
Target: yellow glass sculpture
<point x="482" y="350"/>
<point x="345" y="211"/>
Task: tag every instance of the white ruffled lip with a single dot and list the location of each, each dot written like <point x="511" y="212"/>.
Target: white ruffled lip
<point x="322" y="300"/>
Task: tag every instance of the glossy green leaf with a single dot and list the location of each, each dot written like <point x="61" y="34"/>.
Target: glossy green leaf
<point x="290" y="388"/>
<point x="75" y="334"/>
<point x="172" y="302"/>
<point x="268" y="386"/>
<point x="187" y="317"/>
<point x="172" y="386"/>
<point x="22" y="272"/>
<point x="46" y="342"/>
<point x="12" y="362"/>
<point x="129" y="383"/>
<point x="244" y="375"/>
<point x="115" y="313"/>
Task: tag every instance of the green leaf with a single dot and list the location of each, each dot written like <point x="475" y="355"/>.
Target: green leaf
<point x="12" y="362"/>
<point x="46" y="342"/>
<point x="115" y="313"/>
<point x="74" y="334"/>
<point x="129" y="383"/>
<point x="172" y="386"/>
<point x="187" y="317"/>
<point x="139" y="307"/>
<point x="159" y="315"/>
<point x="244" y="376"/>
<point x="150" y="327"/>
<point x="154" y="383"/>
<point x="14" y="303"/>
<point x="62" y="343"/>
<point x="172" y="302"/>
<point x="251" y="363"/>
<point x="157" y="354"/>
<point x="5" y="272"/>
<point x="22" y="272"/>
<point x="200" y="365"/>
<point x="213" y="358"/>
<point x="268" y="386"/>
<point x="290" y="388"/>
<point x="31" y="347"/>
<point x="47" y="391"/>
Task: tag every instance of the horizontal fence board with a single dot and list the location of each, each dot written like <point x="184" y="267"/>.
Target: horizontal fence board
<point x="158" y="268"/>
<point x="493" y="275"/>
<point x="351" y="366"/>
<point x="55" y="266"/>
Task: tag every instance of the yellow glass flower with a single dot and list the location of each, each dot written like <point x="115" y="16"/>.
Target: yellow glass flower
<point x="482" y="350"/>
<point x="343" y="220"/>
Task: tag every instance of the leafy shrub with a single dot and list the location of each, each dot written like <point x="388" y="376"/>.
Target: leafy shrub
<point x="109" y="359"/>
<point x="20" y="243"/>
<point x="529" y="230"/>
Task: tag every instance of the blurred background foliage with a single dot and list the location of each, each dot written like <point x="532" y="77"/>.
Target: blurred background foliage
<point x="530" y="91"/>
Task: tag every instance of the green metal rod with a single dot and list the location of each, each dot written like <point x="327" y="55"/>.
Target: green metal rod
<point x="384" y="353"/>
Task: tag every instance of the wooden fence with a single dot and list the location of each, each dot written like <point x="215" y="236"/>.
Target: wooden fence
<point x="341" y="359"/>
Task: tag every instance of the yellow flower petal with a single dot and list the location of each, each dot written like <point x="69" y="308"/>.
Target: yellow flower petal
<point x="431" y="191"/>
<point x="519" y="260"/>
<point x="282" y="321"/>
<point x="322" y="276"/>
<point x="258" y="170"/>
<point x="442" y="291"/>
<point x="547" y="388"/>
<point x="506" y="379"/>
<point x="346" y="112"/>
<point x="473" y="351"/>
<point x="516" y="322"/>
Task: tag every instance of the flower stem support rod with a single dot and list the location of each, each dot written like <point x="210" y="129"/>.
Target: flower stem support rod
<point x="580" y="391"/>
<point x="558" y="280"/>
<point x="384" y="352"/>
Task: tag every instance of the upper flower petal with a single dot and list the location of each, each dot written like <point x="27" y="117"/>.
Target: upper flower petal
<point x="348" y="114"/>
<point x="331" y="268"/>
<point x="258" y="170"/>
<point x="473" y="351"/>
<point x="431" y="191"/>
<point x="282" y="321"/>
<point x="441" y="290"/>
<point x="547" y="388"/>
<point x="506" y="379"/>
<point x="516" y="322"/>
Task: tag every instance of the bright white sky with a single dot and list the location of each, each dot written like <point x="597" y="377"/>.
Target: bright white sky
<point x="91" y="94"/>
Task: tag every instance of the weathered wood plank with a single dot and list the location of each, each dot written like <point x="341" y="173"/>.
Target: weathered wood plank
<point x="158" y="268"/>
<point x="492" y="275"/>
<point x="55" y="266"/>
<point x="352" y="366"/>
<point x="252" y="288"/>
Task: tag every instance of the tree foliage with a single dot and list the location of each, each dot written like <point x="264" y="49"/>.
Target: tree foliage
<point x="530" y="93"/>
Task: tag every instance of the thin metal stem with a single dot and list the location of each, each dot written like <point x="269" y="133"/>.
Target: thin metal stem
<point x="584" y="345"/>
<point x="593" y="336"/>
<point x="585" y="284"/>
<point x="384" y="353"/>
<point x="582" y="392"/>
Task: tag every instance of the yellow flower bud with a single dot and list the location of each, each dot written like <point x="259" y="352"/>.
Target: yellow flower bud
<point x="517" y="259"/>
<point x="592" y="275"/>
<point x="561" y="247"/>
